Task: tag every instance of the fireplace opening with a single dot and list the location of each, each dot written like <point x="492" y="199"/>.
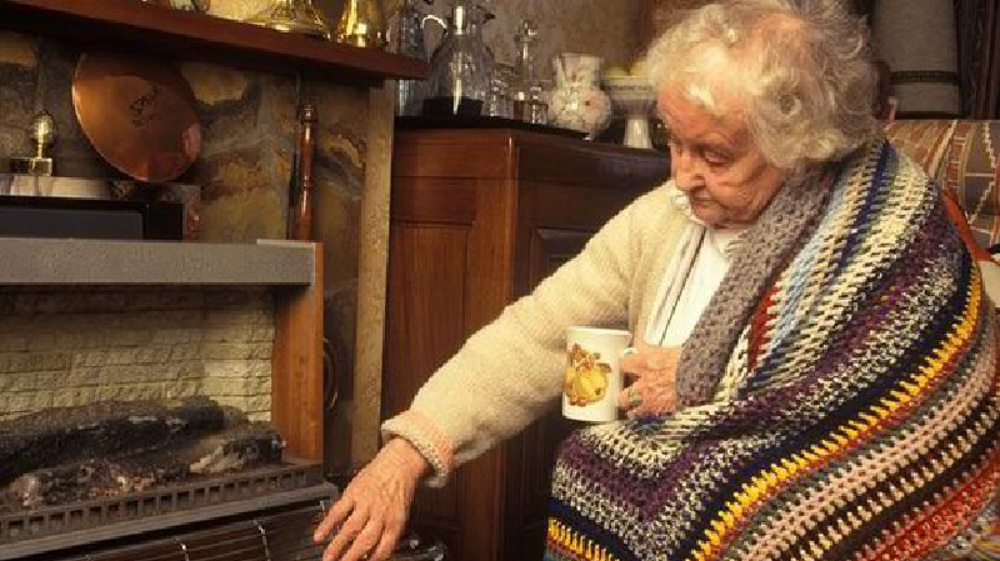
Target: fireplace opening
<point x="134" y="413"/>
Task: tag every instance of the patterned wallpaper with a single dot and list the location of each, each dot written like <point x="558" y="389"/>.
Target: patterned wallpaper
<point x="665" y="12"/>
<point x="605" y="28"/>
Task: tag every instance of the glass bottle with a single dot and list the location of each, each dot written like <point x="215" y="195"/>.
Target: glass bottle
<point x="499" y="103"/>
<point x="526" y="84"/>
<point x="536" y="110"/>
<point x="479" y="16"/>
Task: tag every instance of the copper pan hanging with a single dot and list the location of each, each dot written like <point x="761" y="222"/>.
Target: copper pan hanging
<point x="139" y="113"/>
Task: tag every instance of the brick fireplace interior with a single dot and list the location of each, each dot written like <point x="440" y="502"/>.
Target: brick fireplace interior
<point x="63" y="347"/>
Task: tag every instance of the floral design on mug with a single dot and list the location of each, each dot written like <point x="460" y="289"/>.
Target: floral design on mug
<point x="586" y="379"/>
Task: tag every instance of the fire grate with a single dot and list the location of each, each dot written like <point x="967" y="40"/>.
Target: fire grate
<point x="286" y="536"/>
<point x="53" y="528"/>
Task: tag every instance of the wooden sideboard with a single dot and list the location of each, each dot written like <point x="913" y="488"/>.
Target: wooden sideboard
<point x="478" y="218"/>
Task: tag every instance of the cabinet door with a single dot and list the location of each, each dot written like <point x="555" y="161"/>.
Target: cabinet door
<point x="530" y="455"/>
<point x="448" y="276"/>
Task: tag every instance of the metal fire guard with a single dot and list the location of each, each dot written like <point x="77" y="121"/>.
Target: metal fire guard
<point x="50" y="529"/>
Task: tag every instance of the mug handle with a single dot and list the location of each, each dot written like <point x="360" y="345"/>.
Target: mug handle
<point x="628" y="351"/>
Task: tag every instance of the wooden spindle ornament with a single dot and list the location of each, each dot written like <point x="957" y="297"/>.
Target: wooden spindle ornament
<point x="302" y="219"/>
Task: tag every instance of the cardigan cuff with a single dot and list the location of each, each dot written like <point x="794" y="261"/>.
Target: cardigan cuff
<point x="432" y="443"/>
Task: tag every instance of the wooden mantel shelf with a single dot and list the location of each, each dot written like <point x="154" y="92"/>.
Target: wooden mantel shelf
<point x="54" y="262"/>
<point x="136" y="26"/>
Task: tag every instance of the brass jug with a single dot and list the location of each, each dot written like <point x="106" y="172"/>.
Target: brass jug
<point x="361" y="24"/>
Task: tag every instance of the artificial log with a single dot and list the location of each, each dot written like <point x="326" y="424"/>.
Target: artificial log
<point x="63" y="435"/>
<point x="233" y="449"/>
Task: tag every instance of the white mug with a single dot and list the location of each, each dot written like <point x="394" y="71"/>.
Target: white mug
<point x="592" y="378"/>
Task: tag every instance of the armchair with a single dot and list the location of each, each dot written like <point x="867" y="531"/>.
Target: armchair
<point x="962" y="157"/>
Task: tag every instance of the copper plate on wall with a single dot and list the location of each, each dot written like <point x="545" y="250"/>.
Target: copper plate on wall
<point x="139" y="113"/>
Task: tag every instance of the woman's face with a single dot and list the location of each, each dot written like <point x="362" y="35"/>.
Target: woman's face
<point x="716" y="163"/>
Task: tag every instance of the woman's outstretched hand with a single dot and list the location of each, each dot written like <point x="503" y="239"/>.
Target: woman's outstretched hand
<point x="654" y="389"/>
<point x="368" y="519"/>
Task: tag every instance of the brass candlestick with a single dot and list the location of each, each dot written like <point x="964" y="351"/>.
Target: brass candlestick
<point x="301" y="219"/>
<point x="361" y="24"/>
<point x="292" y="16"/>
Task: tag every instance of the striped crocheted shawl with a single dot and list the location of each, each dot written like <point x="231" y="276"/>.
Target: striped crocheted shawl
<point x="857" y="417"/>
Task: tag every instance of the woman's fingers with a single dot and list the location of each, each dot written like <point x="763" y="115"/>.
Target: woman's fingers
<point x="369" y="517"/>
<point x="631" y="364"/>
<point x="390" y="536"/>
<point x="369" y="526"/>
<point x="630" y="398"/>
<point x="648" y="397"/>
<point x="650" y="361"/>
<point x="347" y="534"/>
<point x="654" y="371"/>
<point x="366" y="541"/>
<point x="333" y="518"/>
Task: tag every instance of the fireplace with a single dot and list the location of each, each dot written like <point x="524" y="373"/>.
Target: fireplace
<point x="205" y="337"/>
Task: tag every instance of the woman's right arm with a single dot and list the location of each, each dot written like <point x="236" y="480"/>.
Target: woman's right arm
<point x="508" y="373"/>
<point x="499" y="381"/>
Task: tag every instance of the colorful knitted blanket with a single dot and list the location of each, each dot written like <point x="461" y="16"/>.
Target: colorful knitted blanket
<point x="855" y="415"/>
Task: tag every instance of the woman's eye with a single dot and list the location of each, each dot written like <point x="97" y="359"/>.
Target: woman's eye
<point x="715" y="159"/>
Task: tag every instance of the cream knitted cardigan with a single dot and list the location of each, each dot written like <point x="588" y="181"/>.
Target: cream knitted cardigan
<point x="510" y="372"/>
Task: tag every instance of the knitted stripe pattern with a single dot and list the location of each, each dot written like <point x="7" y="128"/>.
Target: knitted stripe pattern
<point x="856" y="416"/>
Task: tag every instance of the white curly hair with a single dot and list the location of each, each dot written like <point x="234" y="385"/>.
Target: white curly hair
<point x="798" y="72"/>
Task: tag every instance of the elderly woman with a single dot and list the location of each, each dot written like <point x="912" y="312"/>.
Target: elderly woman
<point x="816" y="375"/>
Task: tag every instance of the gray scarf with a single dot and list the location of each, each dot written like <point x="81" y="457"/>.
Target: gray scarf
<point x="766" y="246"/>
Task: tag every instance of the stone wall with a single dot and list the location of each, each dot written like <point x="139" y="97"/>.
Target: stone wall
<point x="244" y="171"/>
<point x="72" y="346"/>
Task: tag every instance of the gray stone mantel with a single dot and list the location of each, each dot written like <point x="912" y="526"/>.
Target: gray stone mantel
<point x="36" y="261"/>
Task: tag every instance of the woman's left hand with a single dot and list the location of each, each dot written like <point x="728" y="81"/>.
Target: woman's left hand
<point x="654" y="391"/>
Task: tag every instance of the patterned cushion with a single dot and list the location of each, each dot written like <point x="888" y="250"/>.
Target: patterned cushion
<point x="987" y="264"/>
<point x="962" y="157"/>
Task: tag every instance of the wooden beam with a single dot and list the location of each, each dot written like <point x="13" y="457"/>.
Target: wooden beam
<point x="297" y="366"/>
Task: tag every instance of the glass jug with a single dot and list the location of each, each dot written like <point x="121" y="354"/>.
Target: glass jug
<point x="460" y="67"/>
<point x="410" y="42"/>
